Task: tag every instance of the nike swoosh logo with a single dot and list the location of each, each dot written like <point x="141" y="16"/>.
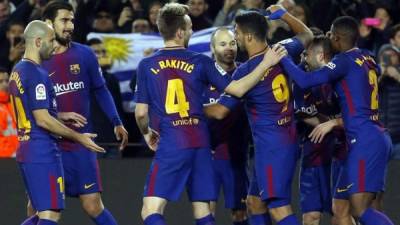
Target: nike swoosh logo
<point x="89" y="186"/>
<point x="344" y="189"/>
<point x="51" y="74"/>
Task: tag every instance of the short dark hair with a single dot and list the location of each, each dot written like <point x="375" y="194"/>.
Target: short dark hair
<point x="346" y="27"/>
<point x="94" y="41"/>
<point x="170" y="18"/>
<point x="51" y="9"/>
<point x="325" y="43"/>
<point x="394" y="30"/>
<point x="254" y="23"/>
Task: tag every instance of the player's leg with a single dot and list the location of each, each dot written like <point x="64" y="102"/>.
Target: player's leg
<point x="341" y="212"/>
<point x="165" y="182"/>
<point x="235" y="184"/>
<point x="275" y="169"/>
<point x="201" y="186"/>
<point x="257" y="209"/>
<point x="45" y="187"/>
<point x="365" y="168"/>
<point x="82" y="175"/>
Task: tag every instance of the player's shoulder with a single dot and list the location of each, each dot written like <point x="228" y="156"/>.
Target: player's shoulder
<point x="27" y="68"/>
<point x="81" y="48"/>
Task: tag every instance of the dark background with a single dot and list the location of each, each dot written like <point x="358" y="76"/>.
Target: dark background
<point x="123" y="184"/>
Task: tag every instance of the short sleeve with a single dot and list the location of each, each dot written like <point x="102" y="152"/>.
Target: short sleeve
<point x="38" y="92"/>
<point x="141" y="94"/>
<point x="293" y="46"/>
<point x="229" y="101"/>
<point x="214" y="74"/>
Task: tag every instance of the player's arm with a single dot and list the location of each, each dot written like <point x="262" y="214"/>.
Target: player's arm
<point x="332" y="71"/>
<point x="216" y="111"/>
<point x="239" y="87"/>
<point x="142" y="120"/>
<point x="105" y="100"/>
<point x="46" y="121"/>
<point x="303" y="33"/>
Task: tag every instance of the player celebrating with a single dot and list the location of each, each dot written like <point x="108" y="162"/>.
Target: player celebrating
<point x="269" y="107"/>
<point x="229" y="137"/>
<point x="354" y="74"/>
<point x="318" y="107"/>
<point x="170" y="83"/>
<point x="76" y="75"/>
<point x="34" y="103"/>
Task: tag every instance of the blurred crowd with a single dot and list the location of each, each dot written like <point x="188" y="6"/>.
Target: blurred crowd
<point x="379" y="33"/>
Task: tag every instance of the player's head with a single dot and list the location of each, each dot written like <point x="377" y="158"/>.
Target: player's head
<point x="250" y="27"/>
<point x="174" y="23"/>
<point x="223" y="45"/>
<point x="318" y="53"/>
<point x="344" y="33"/>
<point x="39" y="38"/>
<point x="3" y="79"/>
<point x="60" y="15"/>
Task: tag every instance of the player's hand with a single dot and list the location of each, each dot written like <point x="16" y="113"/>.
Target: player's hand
<point x="73" y="118"/>
<point x="86" y="140"/>
<point x="319" y="132"/>
<point x="274" y="55"/>
<point x="152" y="138"/>
<point x="228" y="5"/>
<point x="122" y="135"/>
<point x="275" y="12"/>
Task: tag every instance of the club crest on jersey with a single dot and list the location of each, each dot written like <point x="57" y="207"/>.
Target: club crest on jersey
<point x="75" y="69"/>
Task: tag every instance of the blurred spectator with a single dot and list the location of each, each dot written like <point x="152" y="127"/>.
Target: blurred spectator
<point x="226" y="14"/>
<point x="395" y="37"/>
<point x="8" y="130"/>
<point x="13" y="47"/>
<point x="103" y="21"/>
<point x="374" y="32"/>
<point x="141" y="25"/>
<point x="389" y="94"/>
<point x="154" y="7"/>
<point x="5" y="10"/>
<point x="197" y="13"/>
<point x="101" y="125"/>
<point x="129" y="13"/>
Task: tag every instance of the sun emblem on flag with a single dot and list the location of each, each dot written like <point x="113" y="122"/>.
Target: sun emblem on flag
<point x="118" y="48"/>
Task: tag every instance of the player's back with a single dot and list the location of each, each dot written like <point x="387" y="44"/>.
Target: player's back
<point x="358" y="92"/>
<point x="31" y="89"/>
<point x="174" y="80"/>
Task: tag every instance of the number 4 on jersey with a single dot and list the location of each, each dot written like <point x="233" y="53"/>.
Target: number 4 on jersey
<point x="175" y="101"/>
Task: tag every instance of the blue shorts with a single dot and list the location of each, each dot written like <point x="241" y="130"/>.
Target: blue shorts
<point x="337" y="170"/>
<point x="44" y="184"/>
<point x="365" y="167"/>
<point x="234" y="181"/>
<point x="253" y="186"/>
<point x="315" y="189"/>
<point x="82" y="174"/>
<point x="275" y="167"/>
<point x="174" y="169"/>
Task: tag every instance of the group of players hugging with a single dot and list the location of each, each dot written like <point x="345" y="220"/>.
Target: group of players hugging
<point x="313" y="97"/>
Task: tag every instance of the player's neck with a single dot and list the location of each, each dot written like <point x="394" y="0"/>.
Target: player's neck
<point x="256" y="48"/>
<point x="173" y="44"/>
<point x="61" y="48"/>
<point x="227" y="66"/>
<point x="31" y="55"/>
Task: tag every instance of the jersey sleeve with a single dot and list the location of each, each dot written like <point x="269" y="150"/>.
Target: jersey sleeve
<point x="94" y="70"/>
<point x="230" y="102"/>
<point x="141" y="94"/>
<point x="334" y="70"/>
<point x="293" y="46"/>
<point x="38" y="92"/>
<point x="214" y="74"/>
